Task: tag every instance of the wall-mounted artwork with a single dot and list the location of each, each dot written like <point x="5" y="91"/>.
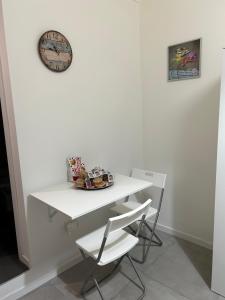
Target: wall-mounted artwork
<point x="184" y="60"/>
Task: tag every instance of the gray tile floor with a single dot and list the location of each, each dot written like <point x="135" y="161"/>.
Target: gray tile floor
<point x="178" y="270"/>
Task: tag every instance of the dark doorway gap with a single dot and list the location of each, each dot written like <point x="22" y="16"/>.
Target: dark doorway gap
<point x="10" y="265"/>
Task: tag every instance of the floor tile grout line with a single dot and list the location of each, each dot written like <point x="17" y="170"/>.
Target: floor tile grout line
<point x="148" y="276"/>
<point x="164" y="285"/>
<point x="167" y="286"/>
<point x="157" y="258"/>
<point x="152" y="279"/>
<point x="160" y="255"/>
<point x="123" y="287"/>
<point x="172" y="289"/>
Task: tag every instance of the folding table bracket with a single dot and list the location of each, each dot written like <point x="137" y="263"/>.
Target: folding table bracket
<point x="51" y="213"/>
<point x="69" y="226"/>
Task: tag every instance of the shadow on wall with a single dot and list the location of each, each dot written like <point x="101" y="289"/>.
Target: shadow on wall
<point x="194" y="166"/>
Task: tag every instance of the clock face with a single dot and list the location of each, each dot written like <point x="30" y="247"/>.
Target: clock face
<point x="55" y="51"/>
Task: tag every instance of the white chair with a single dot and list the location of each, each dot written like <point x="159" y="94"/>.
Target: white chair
<point x="111" y="243"/>
<point x="156" y="192"/>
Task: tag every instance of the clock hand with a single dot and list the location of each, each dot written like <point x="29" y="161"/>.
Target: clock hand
<point x="53" y="48"/>
<point x="56" y="50"/>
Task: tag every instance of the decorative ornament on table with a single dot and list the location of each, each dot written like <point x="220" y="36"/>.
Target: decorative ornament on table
<point x="75" y="167"/>
<point x="97" y="178"/>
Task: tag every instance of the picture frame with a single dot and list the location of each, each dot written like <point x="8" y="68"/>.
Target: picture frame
<point x="184" y="60"/>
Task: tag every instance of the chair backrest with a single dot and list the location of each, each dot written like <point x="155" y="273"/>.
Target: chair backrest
<point x="124" y="220"/>
<point x="155" y="192"/>
<point x="157" y="179"/>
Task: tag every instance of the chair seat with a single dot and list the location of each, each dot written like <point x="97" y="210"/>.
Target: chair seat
<point x="118" y="243"/>
<point x="130" y="205"/>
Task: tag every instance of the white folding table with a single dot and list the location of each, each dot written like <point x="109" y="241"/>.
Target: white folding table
<point x="74" y="203"/>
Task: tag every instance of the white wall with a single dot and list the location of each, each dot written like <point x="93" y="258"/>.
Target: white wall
<point x="61" y="114"/>
<point x="218" y="272"/>
<point x="180" y="118"/>
<point x="93" y="109"/>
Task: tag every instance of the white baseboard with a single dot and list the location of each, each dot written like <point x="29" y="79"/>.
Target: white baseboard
<point x="185" y="236"/>
<point x="17" y="287"/>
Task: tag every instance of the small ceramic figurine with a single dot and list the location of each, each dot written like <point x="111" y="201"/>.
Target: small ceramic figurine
<point x="97" y="178"/>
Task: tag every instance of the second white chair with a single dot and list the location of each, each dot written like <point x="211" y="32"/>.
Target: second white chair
<point x="158" y="181"/>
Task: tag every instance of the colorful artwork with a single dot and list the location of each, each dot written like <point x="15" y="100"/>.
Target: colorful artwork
<point x="184" y="60"/>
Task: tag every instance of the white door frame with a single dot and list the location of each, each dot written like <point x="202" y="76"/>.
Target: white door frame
<point x="12" y="148"/>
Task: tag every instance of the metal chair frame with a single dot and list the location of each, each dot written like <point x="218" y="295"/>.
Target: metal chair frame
<point x="151" y="239"/>
<point x="92" y="277"/>
<point x="146" y="248"/>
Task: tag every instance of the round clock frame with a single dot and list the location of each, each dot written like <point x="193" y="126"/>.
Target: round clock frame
<point x="55" y="51"/>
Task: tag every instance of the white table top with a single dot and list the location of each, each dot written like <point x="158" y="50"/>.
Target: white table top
<point x="75" y="203"/>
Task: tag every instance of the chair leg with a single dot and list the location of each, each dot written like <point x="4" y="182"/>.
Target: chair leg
<point x="142" y="286"/>
<point x="82" y="291"/>
<point x="83" y="254"/>
<point x="113" y="270"/>
<point x="96" y="284"/>
<point x="150" y="240"/>
<point x="146" y="249"/>
<point x="154" y="243"/>
<point x="159" y="241"/>
<point x="132" y="230"/>
<point x="98" y="288"/>
<point x="91" y="276"/>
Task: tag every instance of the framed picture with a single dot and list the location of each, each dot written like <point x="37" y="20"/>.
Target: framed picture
<point x="184" y="60"/>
